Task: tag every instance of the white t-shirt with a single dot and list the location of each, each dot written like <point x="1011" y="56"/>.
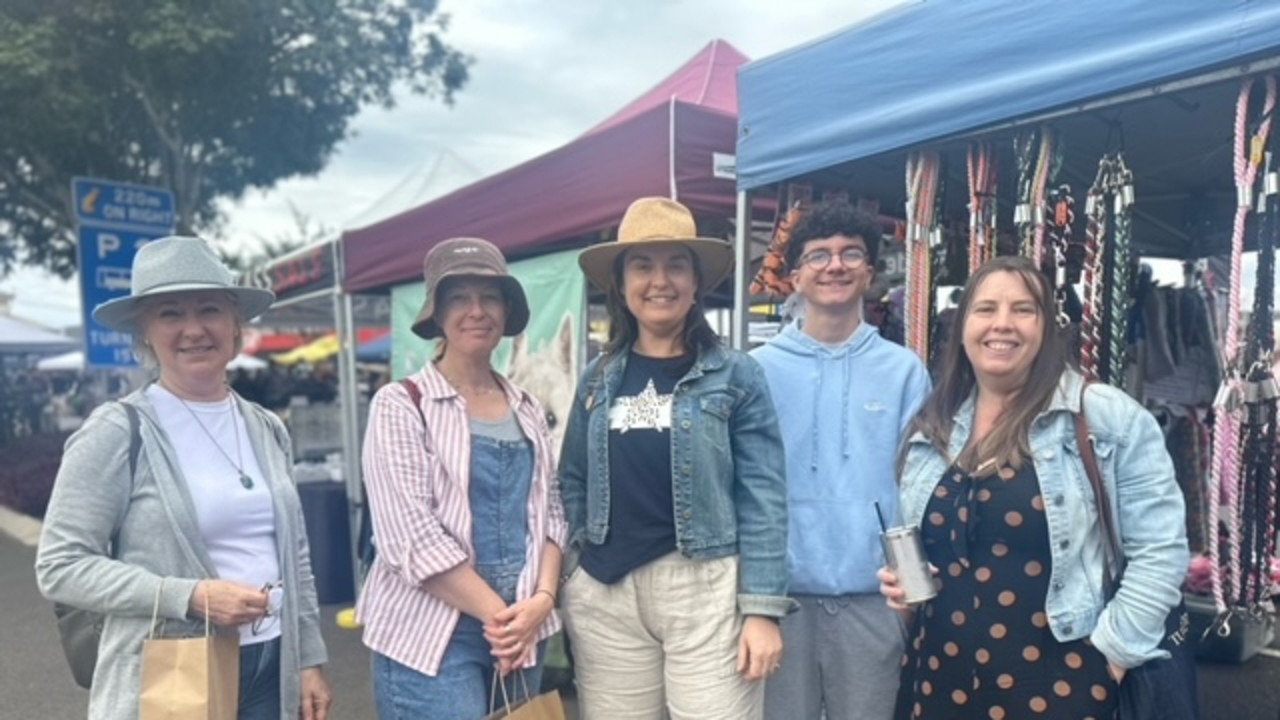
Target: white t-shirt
<point x="237" y="523"/>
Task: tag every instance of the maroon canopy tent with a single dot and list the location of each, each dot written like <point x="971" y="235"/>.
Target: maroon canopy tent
<point x="660" y="144"/>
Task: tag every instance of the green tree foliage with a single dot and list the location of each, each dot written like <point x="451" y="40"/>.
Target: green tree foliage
<point x="208" y="98"/>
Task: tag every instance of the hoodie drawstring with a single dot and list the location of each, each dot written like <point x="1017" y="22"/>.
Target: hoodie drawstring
<point x="817" y="393"/>
<point x="844" y="408"/>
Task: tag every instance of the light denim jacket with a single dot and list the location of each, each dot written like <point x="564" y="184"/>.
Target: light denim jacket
<point x="1145" y="498"/>
<point x="726" y="463"/>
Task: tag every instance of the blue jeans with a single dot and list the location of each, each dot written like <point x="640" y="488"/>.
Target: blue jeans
<point x="460" y="691"/>
<point x="260" y="681"/>
<point x="501" y="475"/>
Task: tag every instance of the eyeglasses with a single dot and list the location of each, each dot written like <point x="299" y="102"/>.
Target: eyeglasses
<point x="275" y="601"/>
<point x="849" y="257"/>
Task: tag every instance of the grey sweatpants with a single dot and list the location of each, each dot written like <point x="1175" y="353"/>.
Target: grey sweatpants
<point x="841" y="653"/>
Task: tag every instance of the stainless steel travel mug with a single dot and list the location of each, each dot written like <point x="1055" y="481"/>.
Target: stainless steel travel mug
<point x="904" y="554"/>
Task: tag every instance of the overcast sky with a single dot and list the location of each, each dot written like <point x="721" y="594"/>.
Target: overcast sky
<point x="545" y="72"/>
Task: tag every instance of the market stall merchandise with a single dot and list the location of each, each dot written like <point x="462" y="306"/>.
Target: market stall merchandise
<point x="1149" y="136"/>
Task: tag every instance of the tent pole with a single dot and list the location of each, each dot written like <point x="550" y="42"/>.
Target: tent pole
<point x="671" y="148"/>
<point x="348" y="392"/>
<point x="742" y="266"/>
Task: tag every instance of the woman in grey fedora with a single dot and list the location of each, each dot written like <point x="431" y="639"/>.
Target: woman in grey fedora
<point x="205" y="519"/>
<point x="460" y="467"/>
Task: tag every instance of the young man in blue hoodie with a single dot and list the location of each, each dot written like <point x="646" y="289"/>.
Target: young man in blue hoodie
<point x="844" y="396"/>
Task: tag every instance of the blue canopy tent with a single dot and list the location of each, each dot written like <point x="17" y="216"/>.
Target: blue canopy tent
<point x="1159" y="80"/>
<point x="929" y="70"/>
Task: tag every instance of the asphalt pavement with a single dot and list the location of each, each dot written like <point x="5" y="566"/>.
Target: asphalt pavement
<point x="36" y="685"/>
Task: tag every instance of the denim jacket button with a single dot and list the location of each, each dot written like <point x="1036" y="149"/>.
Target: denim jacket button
<point x="1066" y="629"/>
<point x="685" y="424"/>
<point x="1064" y="544"/>
<point x="1048" y="455"/>
<point x="1058" y="499"/>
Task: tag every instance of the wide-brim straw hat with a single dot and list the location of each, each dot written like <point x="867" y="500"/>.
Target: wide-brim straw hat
<point x="178" y="264"/>
<point x="466" y="257"/>
<point x="656" y="221"/>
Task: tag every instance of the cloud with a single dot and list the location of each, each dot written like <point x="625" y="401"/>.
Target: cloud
<point x="545" y="72"/>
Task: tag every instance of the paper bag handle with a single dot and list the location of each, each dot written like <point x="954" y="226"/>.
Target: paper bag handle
<point x="155" y="614"/>
<point x="506" y="699"/>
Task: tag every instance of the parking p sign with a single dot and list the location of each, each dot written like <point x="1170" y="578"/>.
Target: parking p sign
<point x="115" y="220"/>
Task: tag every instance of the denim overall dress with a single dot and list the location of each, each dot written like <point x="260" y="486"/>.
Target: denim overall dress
<point x="501" y="477"/>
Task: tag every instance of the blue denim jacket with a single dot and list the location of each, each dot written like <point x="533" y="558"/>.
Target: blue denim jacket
<point x="1145" y="499"/>
<point x="726" y="463"/>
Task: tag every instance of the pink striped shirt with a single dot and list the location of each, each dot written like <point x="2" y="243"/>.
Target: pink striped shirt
<point x="417" y="491"/>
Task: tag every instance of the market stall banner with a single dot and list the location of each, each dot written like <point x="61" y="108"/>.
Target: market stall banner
<point x="544" y="359"/>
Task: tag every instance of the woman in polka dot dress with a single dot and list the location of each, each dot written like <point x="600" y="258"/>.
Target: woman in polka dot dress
<point x="993" y="475"/>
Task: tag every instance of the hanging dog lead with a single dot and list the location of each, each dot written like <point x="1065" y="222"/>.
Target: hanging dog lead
<point x="922" y="186"/>
<point x="1225" y="459"/>
<point x="1059" y="233"/>
<point x="1121" y="188"/>
<point x="1091" y="319"/>
<point x="982" y="203"/>
<point x="1034" y="153"/>
<point x="1259" y="395"/>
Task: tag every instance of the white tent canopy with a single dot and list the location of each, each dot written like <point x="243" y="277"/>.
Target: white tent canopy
<point x="17" y="336"/>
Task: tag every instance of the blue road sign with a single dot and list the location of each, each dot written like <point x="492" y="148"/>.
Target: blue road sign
<point x="106" y="270"/>
<point x="105" y="202"/>
<point x="115" y="220"/>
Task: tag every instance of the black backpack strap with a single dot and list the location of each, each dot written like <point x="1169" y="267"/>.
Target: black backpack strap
<point x="135" y="436"/>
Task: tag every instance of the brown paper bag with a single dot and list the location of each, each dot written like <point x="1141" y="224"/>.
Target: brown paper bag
<point x="194" y="678"/>
<point x="546" y="706"/>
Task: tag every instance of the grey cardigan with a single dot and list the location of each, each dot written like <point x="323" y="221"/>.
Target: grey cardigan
<point x="159" y="548"/>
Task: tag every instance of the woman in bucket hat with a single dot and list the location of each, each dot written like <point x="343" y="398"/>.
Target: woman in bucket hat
<point x="672" y="473"/>
<point x="203" y="518"/>
<point x="459" y="465"/>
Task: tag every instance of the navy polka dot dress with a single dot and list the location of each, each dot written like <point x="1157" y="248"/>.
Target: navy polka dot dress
<point x="982" y="647"/>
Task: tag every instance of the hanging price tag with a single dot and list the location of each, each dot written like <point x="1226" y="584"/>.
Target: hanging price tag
<point x="1256" y="148"/>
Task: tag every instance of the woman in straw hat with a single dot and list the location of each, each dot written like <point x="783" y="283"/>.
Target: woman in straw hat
<point x="672" y="473"/>
<point x="202" y="520"/>
<point x="460" y="468"/>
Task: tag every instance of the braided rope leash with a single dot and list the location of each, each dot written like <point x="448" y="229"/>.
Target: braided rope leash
<point x="1047" y="165"/>
<point x="1059" y="233"/>
<point x="991" y="183"/>
<point x="1024" y="147"/>
<point x="922" y="182"/>
<point x="1225" y="467"/>
<point x="1094" y="247"/>
<point x="982" y="203"/>
<point x="913" y="249"/>
<point x="1120" y="186"/>
<point x="1260" y="392"/>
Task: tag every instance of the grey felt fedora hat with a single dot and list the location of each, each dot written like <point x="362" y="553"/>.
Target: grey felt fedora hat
<point x="178" y="264"/>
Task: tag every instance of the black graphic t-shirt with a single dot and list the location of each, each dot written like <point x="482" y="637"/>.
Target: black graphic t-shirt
<point x="641" y="505"/>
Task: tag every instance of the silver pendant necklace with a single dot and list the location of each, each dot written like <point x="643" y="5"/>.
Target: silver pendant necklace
<point x="245" y="480"/>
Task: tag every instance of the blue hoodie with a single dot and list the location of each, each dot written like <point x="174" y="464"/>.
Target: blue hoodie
<point x="842" y="412"/>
